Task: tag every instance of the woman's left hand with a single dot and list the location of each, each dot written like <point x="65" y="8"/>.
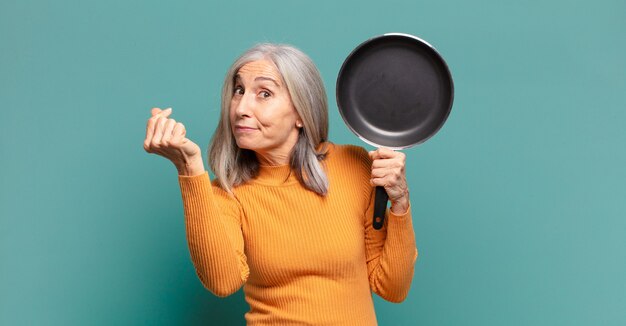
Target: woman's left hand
<point x="388" y="171"/>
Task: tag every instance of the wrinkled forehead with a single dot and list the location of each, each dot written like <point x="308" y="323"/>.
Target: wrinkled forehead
<point x="259" y="70"/>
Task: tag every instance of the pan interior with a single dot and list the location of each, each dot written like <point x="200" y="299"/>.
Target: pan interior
<point x="394" y="91"/>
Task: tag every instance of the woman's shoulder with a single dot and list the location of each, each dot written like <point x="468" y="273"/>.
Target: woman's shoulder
<point x="348" y="153"/>
<point x="349" y="166"/>
<point x="226" y="200"/>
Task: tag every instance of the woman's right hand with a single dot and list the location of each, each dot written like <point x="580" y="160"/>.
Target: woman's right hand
<point x="166" y="137"/>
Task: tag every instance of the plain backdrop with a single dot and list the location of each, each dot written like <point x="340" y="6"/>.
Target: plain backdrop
<point x="518" y="202"/>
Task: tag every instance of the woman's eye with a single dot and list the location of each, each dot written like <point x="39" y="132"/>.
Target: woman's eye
<point x="238" y="90"/>
<point x="265" y="94"/>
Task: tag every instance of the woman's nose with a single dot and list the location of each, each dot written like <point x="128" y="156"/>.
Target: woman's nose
<point x="243" y="107"/>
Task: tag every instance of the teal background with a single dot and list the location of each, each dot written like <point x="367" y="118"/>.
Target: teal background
<point x="518" y="202"/>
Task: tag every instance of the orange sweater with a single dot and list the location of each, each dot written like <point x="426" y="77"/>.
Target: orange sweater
<point x="301" y="258"/>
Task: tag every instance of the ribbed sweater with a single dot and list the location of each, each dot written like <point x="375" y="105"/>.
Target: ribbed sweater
<point x="302" y="258"/>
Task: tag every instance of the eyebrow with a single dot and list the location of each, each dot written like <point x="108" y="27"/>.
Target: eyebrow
<point x="238" y="77"/>
<point x="267" y="78"/>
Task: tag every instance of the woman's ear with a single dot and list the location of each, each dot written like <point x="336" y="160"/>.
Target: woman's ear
<point x="299" y="123"/>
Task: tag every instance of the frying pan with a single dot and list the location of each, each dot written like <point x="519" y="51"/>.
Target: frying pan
<point x="396" y="91"/>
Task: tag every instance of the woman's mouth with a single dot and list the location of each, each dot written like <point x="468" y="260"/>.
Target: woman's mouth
<point x="244" y="129"/>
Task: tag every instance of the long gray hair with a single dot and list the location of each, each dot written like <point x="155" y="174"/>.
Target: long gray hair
<point x="234" y="166"/>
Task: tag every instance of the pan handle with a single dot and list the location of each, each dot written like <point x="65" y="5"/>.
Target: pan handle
<point x="380" y="207"/>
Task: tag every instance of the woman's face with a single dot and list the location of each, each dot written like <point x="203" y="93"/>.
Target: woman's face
<point x="262" y="116"/>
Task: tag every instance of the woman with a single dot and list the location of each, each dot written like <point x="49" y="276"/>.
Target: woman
<point x="289" y="214"/>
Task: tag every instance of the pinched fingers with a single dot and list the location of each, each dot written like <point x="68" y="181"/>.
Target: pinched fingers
<point x="178" y="133"/>
<point x="156" y="111"/>
<point x="177" y="136"/>
<point x="156" y="114"/>
<point x="158" y="132"/>
<point x="154" y="127"/>
<point x="167" y="131"/>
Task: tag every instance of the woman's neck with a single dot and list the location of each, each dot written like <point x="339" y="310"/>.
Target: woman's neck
<point x="272" y="159"/>
<point x="279" y="155"/>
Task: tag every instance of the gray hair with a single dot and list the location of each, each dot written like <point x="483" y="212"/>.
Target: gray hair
<point x="234" y="166"/>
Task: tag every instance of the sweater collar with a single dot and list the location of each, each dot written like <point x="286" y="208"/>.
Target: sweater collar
<point x="276" y="175"/>
<point x="280" y="175"/>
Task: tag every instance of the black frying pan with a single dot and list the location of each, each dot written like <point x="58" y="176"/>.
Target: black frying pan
<point x="395" y="91"/>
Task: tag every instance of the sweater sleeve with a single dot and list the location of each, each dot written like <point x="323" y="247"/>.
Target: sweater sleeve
<point x="214" y="235"/>
<point x="391" y="253"/>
